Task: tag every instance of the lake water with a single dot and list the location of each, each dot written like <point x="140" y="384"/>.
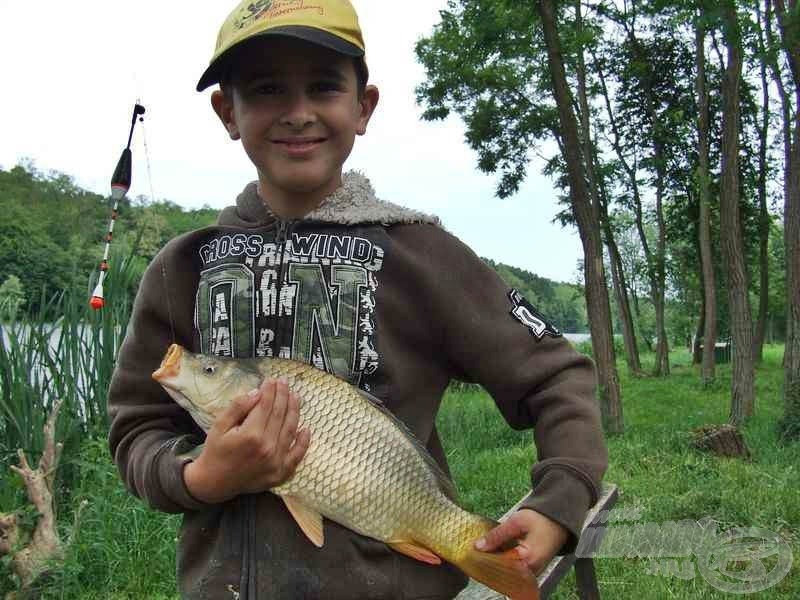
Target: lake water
<point x="577" y="338"/>
<point x="30" y="357"/>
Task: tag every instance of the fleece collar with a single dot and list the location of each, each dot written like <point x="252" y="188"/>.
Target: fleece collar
<point x="353" y="203"/>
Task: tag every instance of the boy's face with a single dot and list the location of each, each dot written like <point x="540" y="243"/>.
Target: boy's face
<point x="297" y="109"/>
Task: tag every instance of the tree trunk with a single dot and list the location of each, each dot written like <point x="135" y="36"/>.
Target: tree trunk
<point x="620" y="288"/>
<point x="662" y="344"/>
<point x="722" y="440"/>
<point x="742" y="383"/>
<point x="621" y="291"/>
<point x="764" y="219"/>
<point x="637" y="311"/>
<point x="597" y="303"/>
<point x="786" y="110"/>
<point x="696" y="341"/>
<point x="703" y="179"/>
<point x="697" y="346"/>
<point x="791" y="361"/>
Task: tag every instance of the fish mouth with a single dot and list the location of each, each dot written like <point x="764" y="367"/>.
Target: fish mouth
<point x="178" y="397"/>
<point x="170" y="365"/>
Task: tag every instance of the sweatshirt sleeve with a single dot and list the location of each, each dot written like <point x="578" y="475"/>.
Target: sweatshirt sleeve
<point x="149" y="432"/>
<point x="536" y="378"/>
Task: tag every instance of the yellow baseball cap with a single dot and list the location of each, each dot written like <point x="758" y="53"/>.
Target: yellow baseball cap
<point x="329" y="23"/>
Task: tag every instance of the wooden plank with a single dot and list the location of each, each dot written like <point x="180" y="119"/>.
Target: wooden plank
<point x="554" y="573"/>
<point x="560" y="565"/>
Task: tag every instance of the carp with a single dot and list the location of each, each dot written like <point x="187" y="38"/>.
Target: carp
<point x="364" y="468"/>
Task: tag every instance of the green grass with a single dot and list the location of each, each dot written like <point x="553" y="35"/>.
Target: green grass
<point x="655" y="468"/>
<point x="120" y="550"/>
<point x="125" y="551"/>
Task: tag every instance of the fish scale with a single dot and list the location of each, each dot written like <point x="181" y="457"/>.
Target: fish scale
<point x="338" y="492"/>
<point x="363" y="469"/>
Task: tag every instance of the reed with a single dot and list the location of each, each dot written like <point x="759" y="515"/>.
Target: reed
<point x="63" y="349"/>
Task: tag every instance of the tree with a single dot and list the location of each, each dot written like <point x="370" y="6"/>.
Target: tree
<point x="588" y="224"/>
<point x="709" y="316"/>
<point x="742" y="382"/>
<point x="789" y="26"/>
<point x="27" y="253"/>
<point x="648" y="64"/>
<point x="620" y="285"/>
<point x="12" y="298"/>
<point x="765" y="220"/>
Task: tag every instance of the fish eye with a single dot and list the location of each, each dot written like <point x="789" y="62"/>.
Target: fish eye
<point x="209" y="369"/>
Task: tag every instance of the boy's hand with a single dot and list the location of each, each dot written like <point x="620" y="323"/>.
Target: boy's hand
<point x="252" y="446"/>
<point x="538" y="537"/>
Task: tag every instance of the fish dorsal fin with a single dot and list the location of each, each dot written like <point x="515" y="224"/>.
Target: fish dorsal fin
<point x="442" y="480"/>
<point x="309" y="520"/>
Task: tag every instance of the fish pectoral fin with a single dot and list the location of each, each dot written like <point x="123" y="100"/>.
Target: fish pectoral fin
<point x="309" y="520"/>
<point x="415" y="551"/>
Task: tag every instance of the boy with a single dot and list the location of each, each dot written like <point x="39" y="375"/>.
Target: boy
<point x="309" y="264"/>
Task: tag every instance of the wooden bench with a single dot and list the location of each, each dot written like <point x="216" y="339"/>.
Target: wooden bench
<point x="560" y="565"/>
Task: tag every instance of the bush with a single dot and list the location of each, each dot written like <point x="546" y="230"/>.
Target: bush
<point x="12" y="298"/>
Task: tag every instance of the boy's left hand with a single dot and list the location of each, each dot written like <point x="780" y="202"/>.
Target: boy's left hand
<point x="538" y="538"/>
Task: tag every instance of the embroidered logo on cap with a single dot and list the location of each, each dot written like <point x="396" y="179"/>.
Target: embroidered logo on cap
<point x="254" y="11"/>
<point x="274" y="9"/>
<point x="524" y="312"/>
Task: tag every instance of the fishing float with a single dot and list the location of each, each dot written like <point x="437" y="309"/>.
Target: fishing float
<point x="120" y="184"/>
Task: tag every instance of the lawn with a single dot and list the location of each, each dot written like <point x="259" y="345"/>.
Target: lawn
<point x="660" y="477"/>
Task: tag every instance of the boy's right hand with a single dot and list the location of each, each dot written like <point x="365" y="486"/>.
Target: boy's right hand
<point x="252" y="446"/>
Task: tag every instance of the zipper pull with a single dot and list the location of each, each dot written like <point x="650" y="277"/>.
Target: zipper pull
<point x="282" y="227"/>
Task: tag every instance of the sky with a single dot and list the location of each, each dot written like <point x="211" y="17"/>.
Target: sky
<point x="73" y="70"/>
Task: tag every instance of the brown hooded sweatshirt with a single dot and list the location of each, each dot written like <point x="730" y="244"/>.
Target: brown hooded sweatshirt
<point x="383" y="297"/>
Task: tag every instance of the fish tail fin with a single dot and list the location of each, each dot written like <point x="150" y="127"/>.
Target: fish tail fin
<point x="502" y="571"/>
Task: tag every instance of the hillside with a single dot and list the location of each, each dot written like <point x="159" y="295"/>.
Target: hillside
<point x="561" y="303"/>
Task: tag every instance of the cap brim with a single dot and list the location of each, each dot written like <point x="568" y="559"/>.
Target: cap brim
<point x="309" y="34"/>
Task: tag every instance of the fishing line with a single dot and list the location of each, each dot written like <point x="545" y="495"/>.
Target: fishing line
<point x="120" y="184"/>
<point x="147" y="159"/>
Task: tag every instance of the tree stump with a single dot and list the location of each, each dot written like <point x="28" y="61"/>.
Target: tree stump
<point x="722" y="440"/>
